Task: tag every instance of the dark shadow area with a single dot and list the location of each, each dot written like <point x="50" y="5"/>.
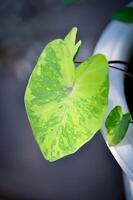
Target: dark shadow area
<point x="129" y="85"/>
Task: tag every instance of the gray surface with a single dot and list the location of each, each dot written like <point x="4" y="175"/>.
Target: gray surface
<point x="91" y="173"/>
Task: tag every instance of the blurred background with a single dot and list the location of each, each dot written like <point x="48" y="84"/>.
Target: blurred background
<point x="26" y="26"/>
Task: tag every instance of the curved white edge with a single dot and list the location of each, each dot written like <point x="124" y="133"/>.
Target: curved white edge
<point x="116" y="43"/>
<point x="128" y="187"/>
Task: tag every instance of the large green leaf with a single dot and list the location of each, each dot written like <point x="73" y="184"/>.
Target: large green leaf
<point x="124" y="15"/>
<point x="66" y="108"/>
<point x="117" y="124"/>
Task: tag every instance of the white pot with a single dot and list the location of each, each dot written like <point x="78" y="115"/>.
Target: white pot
<point x="116" y="43"/>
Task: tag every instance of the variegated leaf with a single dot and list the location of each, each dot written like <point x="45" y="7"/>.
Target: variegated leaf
<point x="66" y="105"/>
<point x="117" y="124"/>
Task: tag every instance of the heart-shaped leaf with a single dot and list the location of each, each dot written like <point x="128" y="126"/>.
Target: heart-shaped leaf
<point x="66" y="105"/>
<point x="117" y="124"/>
<point x="124" y="15"/>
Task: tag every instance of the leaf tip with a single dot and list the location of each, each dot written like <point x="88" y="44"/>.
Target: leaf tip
<point x="74" y="29"/>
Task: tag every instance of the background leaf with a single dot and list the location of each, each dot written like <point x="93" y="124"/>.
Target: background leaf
<point x="117" y="124"/>
<point x="124" y="15"/>
<point x="64" y="111"/>
<point x="69" y="1"/>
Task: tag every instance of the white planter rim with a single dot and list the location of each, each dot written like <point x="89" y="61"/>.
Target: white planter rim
<point x="116" y="43"/>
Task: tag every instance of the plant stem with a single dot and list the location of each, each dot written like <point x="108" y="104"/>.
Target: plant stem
<point x="122" y="70"/>
<point x="110" y="62"/>
<point x="78" y="62"/>
<point x="117" y="62"/>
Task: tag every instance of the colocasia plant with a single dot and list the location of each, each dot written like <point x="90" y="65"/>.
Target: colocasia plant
<point x="66" y="104"/>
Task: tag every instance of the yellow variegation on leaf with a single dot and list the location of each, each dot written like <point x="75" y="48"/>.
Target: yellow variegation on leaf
<point x="65" y="104"/>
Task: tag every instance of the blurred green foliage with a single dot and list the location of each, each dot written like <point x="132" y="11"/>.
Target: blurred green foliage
<point x="124" y="15"/>
<point x="69" y="1"/>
